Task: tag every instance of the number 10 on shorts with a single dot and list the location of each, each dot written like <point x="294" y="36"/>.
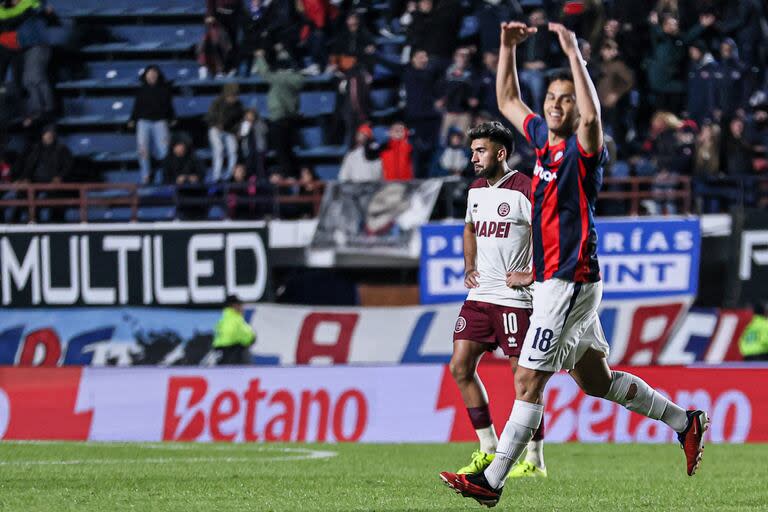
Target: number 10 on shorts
<point x="510" y="327"/>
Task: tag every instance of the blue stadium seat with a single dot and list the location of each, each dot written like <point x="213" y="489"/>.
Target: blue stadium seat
<point x="383" y="98"/>
<point x="147" y="47"/>
<point x="168" y="33"/>
<point x="316" y="103"/>
<point x="121" y="176"/>
<point x="96" y="110"/>
<point x="381" y="133"/>
<point x="131" y="69"/>
<point x="216" y="212"/>
<point x="311" y="137"/>
<point x="89" y="143"/>
<point x="469" y="27"/>
<point x="190" y="106"/>
<point x="156" y="213"/>
<point x="327" y="172"/>
<point x="107" y="214"/>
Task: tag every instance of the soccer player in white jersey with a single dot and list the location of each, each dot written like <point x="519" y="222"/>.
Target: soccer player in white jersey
<point x="497" y="241"/>
<point x="565" y="331"/>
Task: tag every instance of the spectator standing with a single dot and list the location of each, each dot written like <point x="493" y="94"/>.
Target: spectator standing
<point x="703" y="75"/>
<point x="666" y="64"/>
<point x="229" y="15"/>
<point x="616" y="80"/>
<point x="535" y="54"/>
<point x="362" y="163"/>
<point x="452" y="160"/>
<point x="435" y="28"/>
<point x="351" y="56"/>
<point x="24" y="26"/>
<point x="458" y="96"/>
<point x="418" y="87"/>
<point x="490" y="14"/>
<point x="735" y="83"/>
<point x="224" y="118"/>
<point x="285" y="84"/>
<point x="233" y="335"/>
<point x="48" y="161"/>
<point x="740" y="20"/>
<point x="738" y="150"/>
<point x="397" y="154"/>
<point x="486" y="85"/>
<point x="253" y="143"/>
<point x="152" y="115"/>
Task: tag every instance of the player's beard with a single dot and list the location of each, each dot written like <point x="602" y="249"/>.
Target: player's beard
<point x="490" y="172"/>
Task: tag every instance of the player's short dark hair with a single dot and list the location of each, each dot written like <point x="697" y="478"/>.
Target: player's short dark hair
<point x="495" y="132"/>
<point x="560" y="74"/>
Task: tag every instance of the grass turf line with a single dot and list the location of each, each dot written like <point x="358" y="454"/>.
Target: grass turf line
<point x="224" y="477"/>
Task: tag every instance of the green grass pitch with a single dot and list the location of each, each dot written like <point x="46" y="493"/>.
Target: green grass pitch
<point x="223" y="477"/>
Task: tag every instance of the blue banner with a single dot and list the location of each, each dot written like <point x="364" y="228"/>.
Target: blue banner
<point x="639" y="258"/>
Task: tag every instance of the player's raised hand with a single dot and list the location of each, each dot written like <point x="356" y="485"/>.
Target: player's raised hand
<point x="519" y="279"/>
<point x="514" y="33"/>
<point x="566" y="37"/>
<point x="470" y="279"/>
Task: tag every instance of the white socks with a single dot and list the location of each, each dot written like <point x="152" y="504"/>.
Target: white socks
<point x="535" y="453"/>
<point x="645" y="400"/>
<point x="488" y="439"/>
<point x="523" y="422"/>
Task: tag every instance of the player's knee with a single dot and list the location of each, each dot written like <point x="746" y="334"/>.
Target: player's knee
<point x="461" y="371"/>
<point x="528" y="385"/>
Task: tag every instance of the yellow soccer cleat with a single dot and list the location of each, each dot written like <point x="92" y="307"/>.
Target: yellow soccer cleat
<point x="480" y="461"/>
<point x="525" y="469"/>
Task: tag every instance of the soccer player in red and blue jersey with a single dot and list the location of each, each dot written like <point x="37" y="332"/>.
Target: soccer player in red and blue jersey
<point x="565" y="331"/>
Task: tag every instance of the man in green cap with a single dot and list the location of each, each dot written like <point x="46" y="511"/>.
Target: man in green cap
<point x="753" y="343"/>
<point x="233" y="334"/>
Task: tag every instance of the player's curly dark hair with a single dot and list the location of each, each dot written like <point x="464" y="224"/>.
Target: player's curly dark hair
<point x="494" y="131"/>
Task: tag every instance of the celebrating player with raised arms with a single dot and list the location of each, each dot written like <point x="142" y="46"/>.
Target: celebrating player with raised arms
<point x="497" y="241"/>
<point x="565" y="331"/>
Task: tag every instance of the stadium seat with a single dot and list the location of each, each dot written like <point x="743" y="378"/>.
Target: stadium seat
<point x="90" y="143"/>
<point x="383" y="98"/>
<point x="156" y="213"/>
<point x="327" y="172"/>
<point x="121" y="176"/>
<point x="95" y="110"/>
<point x="469" y="27"/>
<point x="131" y="69"/>
<point x="169" y="33"/>
<point x="317" y="103"/>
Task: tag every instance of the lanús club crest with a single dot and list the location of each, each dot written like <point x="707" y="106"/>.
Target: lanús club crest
<point x="503" y="209"/>
<point x="461" y="324"/>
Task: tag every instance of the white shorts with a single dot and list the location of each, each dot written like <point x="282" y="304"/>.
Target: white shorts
<point x="563" y="326"/>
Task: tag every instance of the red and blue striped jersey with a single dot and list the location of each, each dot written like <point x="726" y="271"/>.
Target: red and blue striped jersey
<point x="564" y="190"/>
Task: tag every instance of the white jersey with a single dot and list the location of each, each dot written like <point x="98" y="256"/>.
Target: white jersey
<point x="501" y="215"/>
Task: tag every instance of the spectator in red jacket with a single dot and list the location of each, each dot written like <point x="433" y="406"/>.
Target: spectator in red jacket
<point x="396" y="156"/>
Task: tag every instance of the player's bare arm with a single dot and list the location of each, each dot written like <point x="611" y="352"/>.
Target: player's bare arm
<point x="590" y="130"/>
<point x="470" y="256"/>
<point x="507" y="84"/>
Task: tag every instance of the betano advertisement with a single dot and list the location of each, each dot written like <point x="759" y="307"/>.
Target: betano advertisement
<point x="350" y="404"/>
<point x="641" y="332"/>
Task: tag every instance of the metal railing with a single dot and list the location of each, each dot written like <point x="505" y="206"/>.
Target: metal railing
<point x="34" y="197"/>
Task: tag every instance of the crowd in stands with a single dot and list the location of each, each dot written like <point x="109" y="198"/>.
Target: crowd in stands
<point x="682" y="85"/>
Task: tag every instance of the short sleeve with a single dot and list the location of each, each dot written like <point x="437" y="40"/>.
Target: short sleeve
<point x="535" y="130"/>
<point x="468" y="216"/>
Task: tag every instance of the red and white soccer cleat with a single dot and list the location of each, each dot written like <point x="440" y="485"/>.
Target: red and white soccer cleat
<point x="692" y="439"/>
<point x="472" y="486"/>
